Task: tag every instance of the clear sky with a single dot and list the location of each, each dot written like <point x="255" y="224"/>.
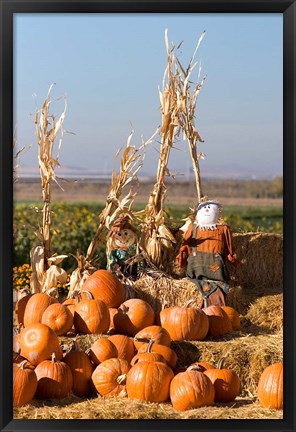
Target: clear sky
<point x="109" y="66"/>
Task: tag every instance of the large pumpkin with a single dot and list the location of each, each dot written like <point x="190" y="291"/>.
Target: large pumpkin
<point x="233" y="315"/>
<point x="105" y="286"/>
<point x="125" y="346"/>
<point x="219" y="323"/>
<point x="35" y="307"/>
<point x="82" y="369"/>
<point x="55" y="379"/>
<point x="91" y="316"/>
<point x="132" y="316"/>
<point x="270" y="386"/>
<point x="24" y="383"/>
<point x="59" y="318"/>
<point x="153" y="333"/>
<point x="102" y="349"/>
<point x="184" y="323"/>
<point x="226" y="382"/>
<point x="38" y="342"/>
<point x="109" y="377"/>
<point x="191" y="389"/>
<point x="149" y="381"/>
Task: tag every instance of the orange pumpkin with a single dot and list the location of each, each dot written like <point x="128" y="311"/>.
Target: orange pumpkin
<point x="132" y="316"/>
<point x="226" y="382"/>
<point x="191" y="389"/>
<point x="125" y="346"/>
<point x="102" y="349"/>
<point x="147" y="356"/>
<point x="219" y="323"/>
<point x="38" y="342"/>
<point x="270" y="386"/>
<point x="91" y="316"/>
<point x="149" y="381"/>
<point x="35" y="307"/>
<point x="55" y="379"/>
<point x="167" y="353"/>
<point x="153" y="333"/>
<point x="201" y="366"/>
<point x="184" y="323"/>
<point x="112" y="312"/>
<point x="82" y="369"/>
<point x="109" y="377"/>
<point x="21" y="306"/>
<point x="24" y="383"/>
<point x="59" y="318"/>
<point x="105" y="286"/>
<point x="233" y="315"/>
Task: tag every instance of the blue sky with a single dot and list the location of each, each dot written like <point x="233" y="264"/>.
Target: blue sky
<point x="109" y="66"/>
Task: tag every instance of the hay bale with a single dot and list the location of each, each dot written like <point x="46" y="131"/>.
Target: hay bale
<point x="265" y="313"/>
<point x="247" y="355"/>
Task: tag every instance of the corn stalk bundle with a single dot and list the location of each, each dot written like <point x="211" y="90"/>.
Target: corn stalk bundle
<point x="178" y="111"/>
<point x="45" y="270"/>
<point x="130" y="163"/>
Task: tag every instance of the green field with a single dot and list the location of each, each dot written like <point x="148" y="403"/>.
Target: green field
<point x="74" y="225"/>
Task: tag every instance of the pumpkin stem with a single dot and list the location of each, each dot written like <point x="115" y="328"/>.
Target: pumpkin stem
<point x="22" y="364"/>
<point x="221" y="361"/>
<point x="121" y="379"/>
<point x="53" y="357"/>
<point x="149" y="346"/>
<point x="124" y="309"/>
<point x="143" y="339"/>
<point x="88" y="293"/>
<point x="196" y="367"/>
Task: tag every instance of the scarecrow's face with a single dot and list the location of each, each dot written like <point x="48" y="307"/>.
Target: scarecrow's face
<point x="124" y="238"/>
<point x="208" y="214"/>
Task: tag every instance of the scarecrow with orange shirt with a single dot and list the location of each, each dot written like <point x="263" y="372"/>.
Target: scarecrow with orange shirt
<point x="206" y="246"/>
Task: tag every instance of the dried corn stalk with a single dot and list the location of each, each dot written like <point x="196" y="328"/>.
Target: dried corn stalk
<point x="130" y="163"/>
<point x="15" y="158"/>
<point x="45" y="270"/>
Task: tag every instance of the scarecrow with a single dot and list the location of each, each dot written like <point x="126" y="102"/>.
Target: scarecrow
<point x="206" y="246"/>
<point x="122" y="246"/>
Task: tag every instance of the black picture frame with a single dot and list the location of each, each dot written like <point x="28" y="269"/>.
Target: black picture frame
<point x="10" y="7"/>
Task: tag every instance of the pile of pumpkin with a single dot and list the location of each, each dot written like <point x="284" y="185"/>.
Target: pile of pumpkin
<point x="132" y="354"/>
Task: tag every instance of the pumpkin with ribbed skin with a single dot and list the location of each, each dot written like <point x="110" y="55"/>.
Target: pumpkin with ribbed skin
<point x="70" y="303"/>
<point x="184" y="323"/>
<point x="226" y="382"/>
<point x="132" y="316"/>
<point x="219" y="323"/>
<point x="21" y="306"/>
<point x="105" y="286"/>
<point x="102" y="349"/>
<point x="112" y="312"/>
<point x="35" y="307"/>
<point x="191" y="389"/>
<point x="125" y="346"/>
<point x="91" y="316"/>
<point x="38" y="342"/>
<point x="24" y="383"/>
<point x="233" y="315"/>
<point x="201" y="366"/>
<point x="109" y="377"/>
<point x="55" y="379"/>
<point x="153" y="333"/>
<point x="149" y="381"/>
<point x="82" y="369"/>
<point x="270" y="386"/>
<point x="59" y="318"/>
<point x="147" y="356"/>
<point x="167" y="353"/>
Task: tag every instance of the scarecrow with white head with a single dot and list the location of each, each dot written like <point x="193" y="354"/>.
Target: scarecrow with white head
<point x="122" y="246"/>
<point x="207" y="245"/>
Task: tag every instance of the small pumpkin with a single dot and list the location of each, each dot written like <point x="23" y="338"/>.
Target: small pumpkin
<point x="148" y="355"/>
<point x="191" y="389"/>
<point x="55" y="379"/>
<point x="38" y="342"/>
<point x="24" y="383"/>
<point x="21" y="306"/>
<point x="219" y="323"/>
<point x="82" y="369"/>
<point x="102" y="349"/>
<point x="226" y="382"/>
<point x="167" y="353"/>
<point x="109" y="377"/>
<point x="59" y="318"/>
<point x="270" y="386"/>
<point x="105" y="286"/>
<point x="125" y="346"/>
<point x="91" y="316"/>
<point x="132" y="316"/>
<point x="233" y="315"/>
<point x="153" y="333"/>
<point x="35" y="307"/>
<point x="184" y="323"/>
<point x="201" y="366"/>
<point x="149" y="381"/>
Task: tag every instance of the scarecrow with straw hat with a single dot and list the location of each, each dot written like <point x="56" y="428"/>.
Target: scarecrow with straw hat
<point x="206" y="247"/>
<point x="122" y="246"/>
